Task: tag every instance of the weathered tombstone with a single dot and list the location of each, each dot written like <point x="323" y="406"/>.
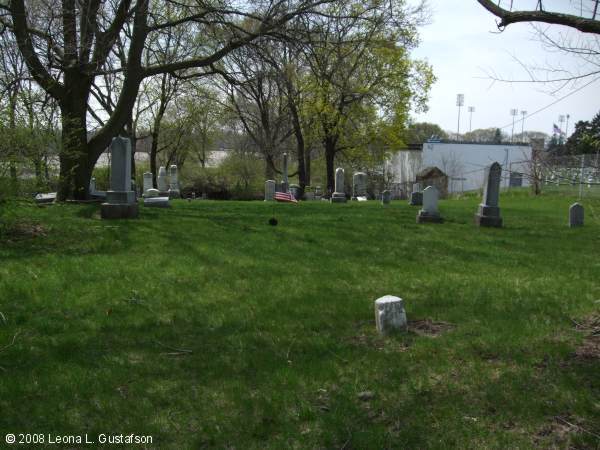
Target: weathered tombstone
<point x="151" y="193"/>
<point x="285" y="182"/>
<point x="430" y="212"/>
<point x="120" y="199"/>
<point x="161" y="181"/>
<point x="295" y="190"/>
<point x="416" y="196"/>
<point x="269" y="190"/>
<point x="95" y="194"/>
<point x="576" y="215"/>
<point x="339" y="196"/>
<point x="318" y="193"/>
<point x="386" y="197"/>
<point x="488" y="214"/>
<point x="157" y="202"/>
<point x="148" y="184"/>
<point x="45" y="198"/>
<point x="173" y="182"/>
<point x="359" y="185"/>
<point x="390" y="315"/>
<point x="134" y="189"/>
<point x="516" y="179"/>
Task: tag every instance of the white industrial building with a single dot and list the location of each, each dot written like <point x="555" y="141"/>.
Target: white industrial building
<point x="463" y="163"/>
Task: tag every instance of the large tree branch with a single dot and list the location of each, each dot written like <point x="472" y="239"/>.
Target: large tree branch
<point x="508" y="17"/>
<point x="88" y="26"/>
<point x="267" y="26"/>
<point x="37" y="70"/>
<point x="199" y="62"/>
<point x="106" y="40"/>
<point x="131" y="83"/>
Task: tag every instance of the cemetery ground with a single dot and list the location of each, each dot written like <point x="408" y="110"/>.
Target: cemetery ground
<point x="205" y="327"/>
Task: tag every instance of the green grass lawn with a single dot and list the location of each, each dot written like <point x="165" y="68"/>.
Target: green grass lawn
<point x="205" y="327"/>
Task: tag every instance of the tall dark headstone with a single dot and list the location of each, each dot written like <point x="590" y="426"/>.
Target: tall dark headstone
<point x="488" y="214"/>
<point x="576" y="215"/>
<point x="285" y="185"/>
<point x="269" y="190"/>
<point x="120" y="199"/>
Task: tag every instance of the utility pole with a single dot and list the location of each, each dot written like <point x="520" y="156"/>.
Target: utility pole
<point x="460" y="101"/>
<point x="513" y="113"/>
<point x="471" y="111"/>
<point x="523" y="113"/>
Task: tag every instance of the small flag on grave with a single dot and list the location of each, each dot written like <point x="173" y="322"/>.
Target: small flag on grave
<point x="286" y="197"/>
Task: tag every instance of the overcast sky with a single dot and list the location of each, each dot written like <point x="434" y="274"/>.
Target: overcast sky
<point x="464" y="47"/>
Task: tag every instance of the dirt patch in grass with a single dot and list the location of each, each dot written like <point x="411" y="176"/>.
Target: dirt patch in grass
<point x="23" y="230"/>
<point x="590" y="347"/>
<point x="367" y="336"/>
<point x="559" y="433"/>
<point x="429" y="328"/>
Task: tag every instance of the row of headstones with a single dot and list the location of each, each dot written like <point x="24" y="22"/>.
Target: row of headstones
<point x="168" y="187"/>
<point x="359" y="191"/>
<point x="488" y="214"/>
<point x="574" y="175"/>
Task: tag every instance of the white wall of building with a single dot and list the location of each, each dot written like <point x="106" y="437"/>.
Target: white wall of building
<point x="463" y="163"/>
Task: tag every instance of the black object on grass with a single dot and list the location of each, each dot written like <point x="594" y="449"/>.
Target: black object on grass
<point x="273" y="221"/>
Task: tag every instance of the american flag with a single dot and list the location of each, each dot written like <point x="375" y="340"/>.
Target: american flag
<point x="285" y="197"/>
<point x="557" y="130"/>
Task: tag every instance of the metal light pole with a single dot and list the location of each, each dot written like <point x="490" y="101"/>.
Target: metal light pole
<point x="471" y="111"/>
<point x="567" y="128"/>
<point x="460" y="101"/>
<point x="523" y="113"/>
<point x="513" y="113"/>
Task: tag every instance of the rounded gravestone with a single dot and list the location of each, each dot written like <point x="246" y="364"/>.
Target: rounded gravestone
<point x="576" y="215"/>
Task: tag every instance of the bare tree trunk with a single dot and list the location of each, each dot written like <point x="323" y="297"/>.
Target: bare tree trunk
<point x="307" y="155"/>
<point x="299" y="148"/>
<point x="269" y="168"/>
<point x="153" y="156"/>
<point x="76" y="163"/>
<point x="329" y="163"/>
<point x="12" y="124"/>
<point x="130" y="132"/>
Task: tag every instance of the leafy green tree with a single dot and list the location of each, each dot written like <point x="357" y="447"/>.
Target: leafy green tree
<point x="497" y="136"/>
<point x="420" y="132"/>
<point x="585" y="138"/>
<point x="488" y="135"/>
<point x="363" y="79"/>
<point x="69" y="46"/>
